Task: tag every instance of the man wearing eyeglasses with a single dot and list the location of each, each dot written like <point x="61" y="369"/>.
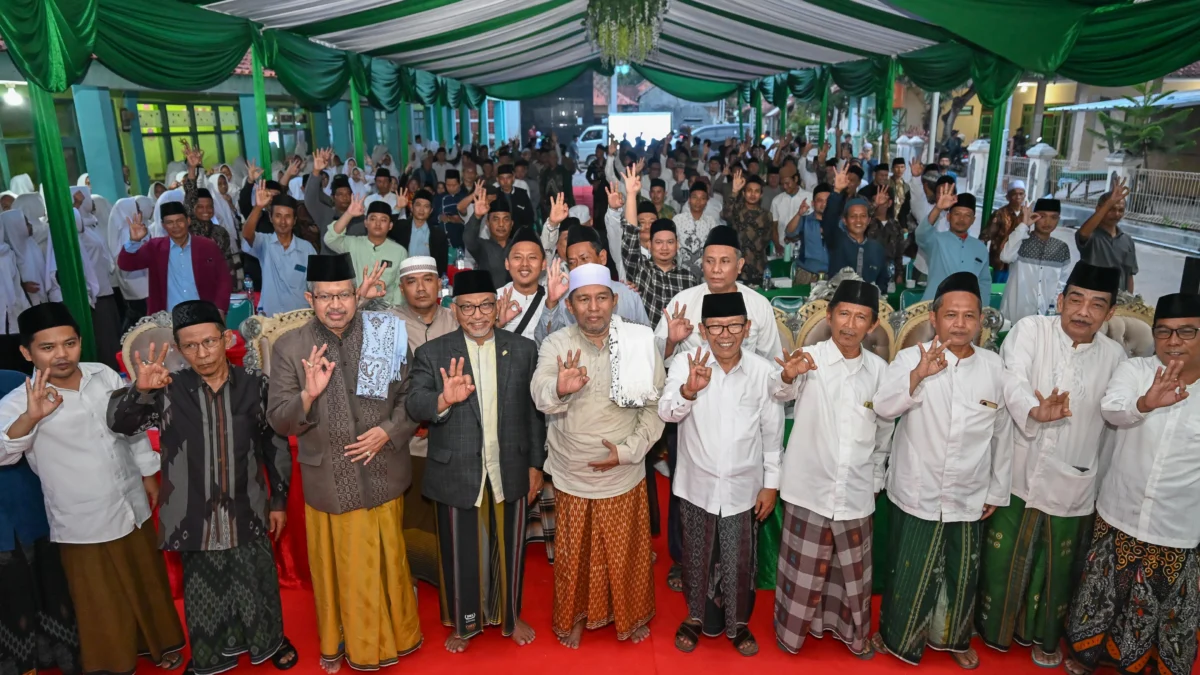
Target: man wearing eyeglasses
<point x="487" y="444"/>
<point x="727" y="473"/>
<point x="338" y="384"/>
<point x="1137" y="606"/>
<point x="215" y="508"/>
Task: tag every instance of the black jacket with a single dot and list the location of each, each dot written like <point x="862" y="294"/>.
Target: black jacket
<point x="439" y="244"/>
<point x="519" y="205"/>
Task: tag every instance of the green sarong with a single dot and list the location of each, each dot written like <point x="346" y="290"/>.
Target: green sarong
<point x="933" y="578"/>
<point x="1025" y="587"/>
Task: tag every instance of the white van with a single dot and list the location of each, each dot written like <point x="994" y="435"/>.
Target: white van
<point x="593" y="136"/>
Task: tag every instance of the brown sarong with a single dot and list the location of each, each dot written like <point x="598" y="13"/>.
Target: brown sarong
<point x="123" y="601"/>
<point x="602" y="568"/>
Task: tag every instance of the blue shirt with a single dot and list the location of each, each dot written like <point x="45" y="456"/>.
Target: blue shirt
<point x="181" y="281"/>
<point x="284" y="272"/>
<point x="868" y="259"/>
<point x="814" y="257"/>
<point x="947" y="253"/>
<point x="418" y="241"/>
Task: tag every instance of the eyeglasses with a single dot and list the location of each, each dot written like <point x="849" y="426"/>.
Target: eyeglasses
<point x="733" y="328"/>
<point x="209" y="345"/>
<point x="469" y="310"/>
<point x="1184" y="332"/>
<point x="326" y="297"/>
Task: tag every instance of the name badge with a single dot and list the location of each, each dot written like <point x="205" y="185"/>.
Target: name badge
<point x="301" y="268"/>
<point x="988" y="404"/>
<point x="386" y="263"/>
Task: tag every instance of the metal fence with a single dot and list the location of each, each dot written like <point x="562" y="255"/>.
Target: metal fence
<point x="1015" y="168"/>
<point x="1164" y="197"/>
<point x="1076" y="184"/>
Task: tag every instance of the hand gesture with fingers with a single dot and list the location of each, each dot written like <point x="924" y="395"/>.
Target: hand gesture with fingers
<point x="933" y="360"/>
<point x="739" y="180"/>
<point x="559" y="209"/>
<point x="1166" y="390"/>
<point x="40" y="398"/>
<point x="610" y="462"/>
<point x="946" y="199"/>
<point x="882" y="198"/>
<point x="795" y="364"/>
<point x="916" y="167"/>
<point x="356" y="207"/>
<point x="678" y="325"/>
<point x="320" y="161"/>
<point x="507" y="309"/>
<point x="804" y="208"/>
<point x="482" y="204"/>
<point x="456" y="386"/>
<point x="194" y="156"/>
<point x="557" y="283"/>
<point x="699" y="374"/>
<point x="137" y="228"/>
<point x="403" y="197"/>
<point x="571" y="376"/>
<point x="1120" y="190"/>
<point x="615" y="200"/>
<point x="152" y="373"/>
<point x="1051" y="408"/>
<point x="262" y="196"/>
<point x="841" y="178"/>
<point x="373" y="287"/>
<point x="633" y="180"/>
<point x="253" y="170"/>
<point x="317" y="372"/>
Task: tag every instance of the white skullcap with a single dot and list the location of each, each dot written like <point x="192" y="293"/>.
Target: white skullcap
<point x="1017" y="185"/>
<point x="581" y="212"/>
<point x="589" y="274"/>
<point x="418" y="264"/>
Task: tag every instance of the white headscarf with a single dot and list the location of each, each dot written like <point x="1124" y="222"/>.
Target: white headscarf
<point x="97" y="261"/>
<point x="31" y="204"/>
<point x="7" y="193"/>
<point x="150" y="193"/>
<point x="223" y="213"/>
<point x="359" y="186"/>
<point x="102" y="211"/>
<point x="175" y="195"/>
<point x="134" y="285"/>
<point x="21" y="184"/>
<point x="83" y="180"/>
<point x="173" y="171"/>
<point x="296" y="188"/>
<point x="87" y="207"/>
<point x="30" y="260"/>
<point x="241" y="171"/>
<point x="12" y="296"/>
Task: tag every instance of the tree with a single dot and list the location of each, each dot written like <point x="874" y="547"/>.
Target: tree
<point x="958" y="100"/>
<point x="1148" y="126"/>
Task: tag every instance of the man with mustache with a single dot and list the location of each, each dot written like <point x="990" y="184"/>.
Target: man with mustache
<point x="338" y="384"/>
<point x="1025" y="570"/>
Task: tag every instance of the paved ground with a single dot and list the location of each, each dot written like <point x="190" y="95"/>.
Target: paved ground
<point x="1159" y="269"/>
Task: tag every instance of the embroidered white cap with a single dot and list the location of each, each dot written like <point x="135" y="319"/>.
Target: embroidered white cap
<point x="1017" y="184"/>
<point x="589" y="274"/>
<point x="418" y="264"/>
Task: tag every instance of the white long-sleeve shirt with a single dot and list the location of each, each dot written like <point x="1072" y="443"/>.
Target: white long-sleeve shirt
<point x="91" y="477"/>
<point x="763" y="338"/>
<point x="946" y="464"/>
<point x="1056" y="468"/>
<point x="1152" y="488"/>
<point x="730" y="437"/>
<point x="1037" y="273"/>
<point x="839" y="446"/>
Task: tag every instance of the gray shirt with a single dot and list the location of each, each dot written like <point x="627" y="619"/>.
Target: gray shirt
<point x="1105" y="250"/>
<point x="320" y="209"/>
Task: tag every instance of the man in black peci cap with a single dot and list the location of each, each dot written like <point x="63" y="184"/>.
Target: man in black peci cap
<point x="281" y="253"/>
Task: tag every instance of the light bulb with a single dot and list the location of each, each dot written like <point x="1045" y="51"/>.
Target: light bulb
<point x="11" y="97"/>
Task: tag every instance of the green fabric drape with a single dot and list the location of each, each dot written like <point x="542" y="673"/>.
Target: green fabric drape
<point x="60" y="213"/>
<point x="996" y="146"/>
<point x="1136" y="43"/>
<point x="883" y="109"/>
<point x="824" y="120"/>
<point x="361" y="151"/>
<point x="758" y="113"/>
<point x="687" y="88"/>
<point x="994" y="79"/>
<point x="390" y="84"/>
<point x="860" y="78"/>
<point x="939" y="67"/>
<point x="50" y="41"/>
<point x="169" y="45"/>
<point x="809" y="84"/>
<point x="537" y="85"/>
<point x="315" y="75"/>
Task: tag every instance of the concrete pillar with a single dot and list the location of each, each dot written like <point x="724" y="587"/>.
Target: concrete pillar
<point x="370" y="131"/>
<point x="139" y="175"/>
<point x="1039" y="109"/>
<point x="977" y="163"/>
<point x="934" y="118"/>
<point x="248" y="121"/>
<point x="1079" y="125"/>
<point x="101" y="143"/>
<point x="320" y="126"/>
<point x="1037" y="181"/>
<point x="1119" y="165"/>
<point x="339" y="117"/>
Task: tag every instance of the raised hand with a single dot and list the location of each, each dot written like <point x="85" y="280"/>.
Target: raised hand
<point x="40" y="399"/>
<point x="946" y="199"/>
<point x="194" y="156"/>
<point x="633" y="179"/>
<point x="933" y="360"/>
<point x="610" y="462"/>
<point x="253" y="171"/>
<point x="1026" y="215"/>
<point x="615" y="201"/>
<point x="152" y="373"/>
<point x="841" y="178"/>
<point x="482" y="204"/>
<point x="804" y="208"/>
<point x="571" y="376"/>
<point x="678" y="326"/>
<point x="559" y="209"/>
<point x="1120" y="190"/>
<point x="262" y="196"/>
<point x="403" y="197"/>
<point x="557" y="283"/>
<point x="317" y="372"/>
<point x="356" y="207"/>
<point x="321" y="160"/>
<point x="373" y="287"/>
<point x="1051" y="408"/>
<point x="916" y="167"/>
<point x="881" y="199"/>
<point x="699" y="374"/>
<point x="294" y="168"/>
<point x="1166" y="390"/>
<point x="739" y="180"/>
<point x="456" y="386"/>
<point x="795" y="364"/>
<point x="137" y="228"/>
<point x="507" y="309"/>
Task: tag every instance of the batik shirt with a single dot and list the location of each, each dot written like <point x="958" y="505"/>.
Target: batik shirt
<point x="754" y="228"/>
<point x="214" y="447"/>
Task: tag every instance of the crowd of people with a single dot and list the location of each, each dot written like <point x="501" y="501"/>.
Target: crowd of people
<point x="1038" y="495"/>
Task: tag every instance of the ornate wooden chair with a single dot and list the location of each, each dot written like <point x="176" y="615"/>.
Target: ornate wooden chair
<point x="261" y="333"/>
<point x="1132" y="325"/>
<point x="156" y="329"/>
<point x="912" y="325"/>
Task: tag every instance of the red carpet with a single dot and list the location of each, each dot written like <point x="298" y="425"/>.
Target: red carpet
<point x="600" y="651"/>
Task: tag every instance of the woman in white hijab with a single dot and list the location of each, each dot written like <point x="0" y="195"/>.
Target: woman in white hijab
<point x="241" y="171"/>
<point x="358" y="182"/>
<point x="81" y="196"/>
<point x="101" y="209"/>
<point x="135" y="286"/>
<point x="174" y="169"/>
<point x="98" y="265"/>
<point x="21" y="184"/>
<point x="12" y="303"/>
<point x="156" y="190"/>
<point x="36" y="280"/>
<point x="84" y="180"/>
<point x="31" y="204"/>
<point x="223" y="206"/>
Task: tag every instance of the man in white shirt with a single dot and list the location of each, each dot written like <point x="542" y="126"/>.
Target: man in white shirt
<point x="383" y="191"/>
<point x="100" y="488"/>
<point x="947" y="474"/>
<point x="521" y="301"/>
<point x="1137" y="606"/>
<point x="692" y="225"/>
<point x="786" y="208"/>
<point x="1038" y="263"/>
<point x="832" y="470"/>
<point x="727" y="473"/>
<point x="1025" y="570"/>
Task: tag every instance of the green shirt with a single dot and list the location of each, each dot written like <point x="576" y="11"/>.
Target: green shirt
<point x="365" y="255"/>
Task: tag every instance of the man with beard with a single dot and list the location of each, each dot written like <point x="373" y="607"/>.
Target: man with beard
<point x="1137" y="607"/>
<point x="281" y="253"/>
<point x="522" y="300"/>
<point x="490" y="254"/>
<point x="199" y="204"/>
<point x="1026" y="570"/>
<point x="216" y="509"/>
<point x="1102" y="242"/>
<point x="831" y="474"/>
<point x="1037" y="263"/>
<point x="373" y="247"/>
<point x="100" y="488"/>
<point x="947" y="474"/>
<point x="338" y="384"/>
<point x="727" y="474"/>
<point x="420" y="234"/>
<point x="1001" y="225"/>
<point x="598" y="379"/>
<point x="325" y="209"/>
<point x="746" y="215"/>
<point x="487" y="445"/>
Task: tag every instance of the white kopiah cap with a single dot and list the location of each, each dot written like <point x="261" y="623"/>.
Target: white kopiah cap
<point x="418" y="264"/>
<point x="589" y="274"/>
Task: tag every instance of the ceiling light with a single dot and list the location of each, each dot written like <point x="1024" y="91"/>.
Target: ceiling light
<point x="12" y="97"/>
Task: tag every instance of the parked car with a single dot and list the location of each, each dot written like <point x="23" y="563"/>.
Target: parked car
<point x="585" y="147"/>
<point x="715" y="134"/>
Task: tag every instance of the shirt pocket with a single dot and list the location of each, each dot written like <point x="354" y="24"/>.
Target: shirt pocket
<point x="979" y="423"/>
<point x="1072" y="490"/>
<point x="863" y="424"/>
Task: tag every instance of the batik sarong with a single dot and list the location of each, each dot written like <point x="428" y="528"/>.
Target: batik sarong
<point x="719" y="565"/>
<point x="37" y="619"/>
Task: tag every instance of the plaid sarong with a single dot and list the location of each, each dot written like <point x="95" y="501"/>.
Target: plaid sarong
<point x="539" y="520"/>
<point x="824" y="579"/>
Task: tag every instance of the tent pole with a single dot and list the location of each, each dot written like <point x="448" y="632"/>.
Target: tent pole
<point x="888" y="103"/>
<point x="260" y="114"/>
<point x="758" y="125"/>
<point x="995" y="152"/>
<point x="824" y="119"/>
<point x="464" y="122"/>
<point x="439" y="121"/>
<point x="52" y="169"/>
<point x="741" y="119"/>
<point x="933" y="125"/>
<point x="483" y="124"/>
<point x="405" y="114"/>
<point x="360" y="145"/>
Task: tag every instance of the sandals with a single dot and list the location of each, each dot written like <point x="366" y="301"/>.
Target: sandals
<point x="744" y="642"/>
<point x="172" y="661"/>
<point x="675" y="578"/>
<point x="961" y="658"/>
<point x="286" y="656"/>
<point x="688" y="632"/>
<point x="1044" y="659"/>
